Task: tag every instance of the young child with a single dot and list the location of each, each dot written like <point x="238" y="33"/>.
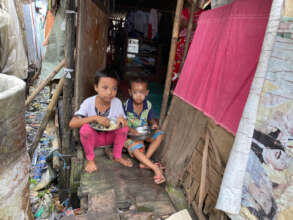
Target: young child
<point x="139" y="112"/>
<point x="100" y="108"/>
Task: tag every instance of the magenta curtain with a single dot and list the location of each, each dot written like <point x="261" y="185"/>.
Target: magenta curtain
<point x="222" y="60"/>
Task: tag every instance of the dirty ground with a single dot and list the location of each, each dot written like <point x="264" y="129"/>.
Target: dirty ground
<point x="118" y="192"/>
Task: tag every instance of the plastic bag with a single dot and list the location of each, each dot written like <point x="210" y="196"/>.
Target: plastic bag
<point x="13" y="59"/>
<point x="46" y="178"/>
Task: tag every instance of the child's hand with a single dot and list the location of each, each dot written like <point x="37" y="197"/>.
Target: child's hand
<point x="155" y="126"/>
<point x="103" y="121"/>
<point x="133" y="131"/>
<point x="121" y="121"/>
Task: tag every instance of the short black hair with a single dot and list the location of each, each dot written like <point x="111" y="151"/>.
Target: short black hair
<point x="105" y="73"/>
<point x="138" y="80"/>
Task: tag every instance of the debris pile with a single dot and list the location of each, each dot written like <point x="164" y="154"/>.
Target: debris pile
<point x="44" y="198"/>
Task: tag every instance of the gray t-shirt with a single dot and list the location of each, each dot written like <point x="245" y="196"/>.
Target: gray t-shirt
<point x="88" y="108"/>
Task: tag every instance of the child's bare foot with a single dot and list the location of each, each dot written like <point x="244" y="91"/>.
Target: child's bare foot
<point x="91" y="166"/>
<point x="125" y="162"/>
<point x="159" y="177"/>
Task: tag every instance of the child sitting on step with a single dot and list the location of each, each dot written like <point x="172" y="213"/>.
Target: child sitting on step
<point x="139" y="112"/>
<point x="101" y="108"/>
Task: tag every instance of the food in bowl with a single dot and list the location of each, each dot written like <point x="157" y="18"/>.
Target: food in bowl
<point x="99" y="127"/>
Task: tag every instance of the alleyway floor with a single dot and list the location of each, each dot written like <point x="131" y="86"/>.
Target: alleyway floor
<point x="117" y="192"/>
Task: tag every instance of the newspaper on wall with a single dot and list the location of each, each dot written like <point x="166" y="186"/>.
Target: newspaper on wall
<point x="267" y="191"/>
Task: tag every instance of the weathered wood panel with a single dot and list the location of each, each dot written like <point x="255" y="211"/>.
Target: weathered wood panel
<point x="182" y="152"/>
<point x="184" y="129"/>
<point x="91" y="47"/>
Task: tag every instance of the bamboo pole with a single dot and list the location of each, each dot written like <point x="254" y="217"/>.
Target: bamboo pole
<point x="188" y="35"/>
<point x="202" y="191"/>
<point x="175" y="34"/>
<point x="44" y="83"/>
<point x="45" y="120"/>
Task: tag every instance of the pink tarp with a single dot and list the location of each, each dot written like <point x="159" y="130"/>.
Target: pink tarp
<point x="222" y="60"/>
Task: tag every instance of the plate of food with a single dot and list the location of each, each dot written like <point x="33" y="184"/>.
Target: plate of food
<point x="113" y="126"/>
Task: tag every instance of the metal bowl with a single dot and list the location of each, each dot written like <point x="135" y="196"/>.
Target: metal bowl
<point x="144" y="132"/>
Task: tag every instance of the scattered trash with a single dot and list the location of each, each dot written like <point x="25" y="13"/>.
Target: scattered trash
<point x="44" y="199"/>
<point x="35" y="113"/>
<point x="46" y="178"/>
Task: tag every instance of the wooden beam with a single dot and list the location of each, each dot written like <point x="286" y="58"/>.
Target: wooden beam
<point x="202" y="190"/>
<point x="45" y="120"/>
<point x="44" y="83"/>
<point x="68" y="89"/>
<point x="68" y="83"/>
<point x="175" y="34"/>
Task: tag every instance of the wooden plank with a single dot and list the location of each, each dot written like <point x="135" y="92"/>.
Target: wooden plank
<point x="45" y="120"/>
<point x="44" y="83"/>
<point x="175" y="35"/>
<point x="186" y="169"/>
<point x="202" y="190"/>
<point x="192" y="174"/>
<point x="91" y="48"/>
<point x="69" y="78"/>
<point x="179" y="141"/>
<point x="66" y="147"/>
<point x="223" y="140"/>
<point x="199" y="214"/>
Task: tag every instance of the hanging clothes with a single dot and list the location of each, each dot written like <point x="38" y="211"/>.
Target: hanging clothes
<point x="141" y="22"/>
<point x="153" y="24"/>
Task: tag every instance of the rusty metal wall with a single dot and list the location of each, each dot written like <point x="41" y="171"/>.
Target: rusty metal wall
<point x="91" y="47"/>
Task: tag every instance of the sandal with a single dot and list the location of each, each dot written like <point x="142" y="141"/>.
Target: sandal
<point x="159" y="179"/>
<point x="160" y="165"/>
<point x="142" y="166"/>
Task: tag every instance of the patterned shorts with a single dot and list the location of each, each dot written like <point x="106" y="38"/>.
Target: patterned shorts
<point x="140" y="146"/>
